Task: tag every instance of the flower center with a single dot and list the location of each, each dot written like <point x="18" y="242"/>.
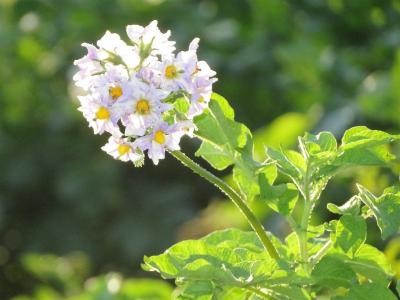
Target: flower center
<point x="115" y="92"/>
<point x="123" y="149"/>
<point x="159" y="137"/>
<point x="201" y="99"/>
<point x="143" y="107"/>
<point x="102" y="113"/>
<point x="171" y="72"/>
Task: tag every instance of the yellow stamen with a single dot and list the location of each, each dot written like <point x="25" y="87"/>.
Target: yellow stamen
<point x="102" y="113"/>
<point x="159" y="137"/>
<point x="171" y="72"/>
<point x="123" y="149"/>
<point x="143" y="107"/>
<point x="200" y="100"/>
<point x="115" y="92"/>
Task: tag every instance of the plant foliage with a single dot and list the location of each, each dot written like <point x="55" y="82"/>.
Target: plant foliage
<point x="329" y="260"/>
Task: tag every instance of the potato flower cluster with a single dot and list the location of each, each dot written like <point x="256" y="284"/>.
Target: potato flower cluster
<point x="143" y="93"/>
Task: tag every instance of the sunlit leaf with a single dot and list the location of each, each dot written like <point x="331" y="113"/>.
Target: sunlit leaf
<point x="332" y="272"/>
<point x="368" y="291"/>
<point x="351" y="207"/>
<point x="351" y="232"/>
<point x="385" y="208"/>
<point x="281" y="198"/>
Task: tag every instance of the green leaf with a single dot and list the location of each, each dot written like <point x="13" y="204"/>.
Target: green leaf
<point x="332" y="272"/>
<point x="319" y="152"/>
<point x="206" y="290"/>
<point x="226" y="259"/>
<point x="246" y="169"/>
<point x="201" y="290"/>
<point x="368" y="291"/>
<point x="289" y="292"/>
<point x="145" y="289"/>
<point x="351" y="207"/>
<point x="216" y="156"/>
<point x="226" y="142"/>
<point x="372" y="264"/>
<point x="315" y="241"/>
<point x="351" y="232"/>
<point x="363" y="146"/>
<point x="361" y="136"/>
<point x="269" y="173"/>
<point x="394" y="189"/>
<point x="221" y="134"/>
<point x="281" y="198"/>
<point x="386" y="210"/>
<point x="182" y="105"/>
<point x="369" y="156"/>
<point x="288" y="162"/>
<point x="321" y="145"/>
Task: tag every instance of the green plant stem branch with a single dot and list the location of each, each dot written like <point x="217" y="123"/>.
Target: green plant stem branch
<point x="317" y="256"/>
<point x="293" y="224"/>
<point x="232" y="194"/>
<point x="303" y="234"/>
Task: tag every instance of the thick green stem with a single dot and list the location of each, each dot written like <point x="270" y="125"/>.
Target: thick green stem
<point x="303" y="234"/>
<point x="233" y="195"/>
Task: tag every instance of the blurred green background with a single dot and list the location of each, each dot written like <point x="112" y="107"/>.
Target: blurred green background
<point x="74" y="222"/>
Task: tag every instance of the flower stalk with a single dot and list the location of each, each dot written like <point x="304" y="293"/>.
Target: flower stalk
<point x="233" y="195"/>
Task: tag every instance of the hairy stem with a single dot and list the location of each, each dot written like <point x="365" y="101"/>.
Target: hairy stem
<point x="233" y="195"/>
<point x="302" y="235"/>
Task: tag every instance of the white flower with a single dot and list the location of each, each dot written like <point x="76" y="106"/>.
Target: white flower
<point x="100" y="116"/>
<point x="200" y="90"/>
<point x="118" y="49"/>
<point x="150" y="74"/>
<point x="163" y="137"/>
<point x="143" y="109"/>
<point x="151" y="40"/>
<point x="177" y="72"/>
<point x="88" y="65"/>
<point x="112" y="84"/>
<point x="122" y="149"/>
<point x="185" y="128"/>
<point x="197" y="106"/>
<point x="132" y="91"/>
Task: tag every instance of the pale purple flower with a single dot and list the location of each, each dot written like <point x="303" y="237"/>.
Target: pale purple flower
<point x="162" y="138"/>
<point x="110" y="83"/>
<point x="151" y="36"/>
<point x="143" y="109"/>
<point x="112" y="43"/>
<point x="132" y="88"/>
<point x="88" y="64"/>
<point x="99" y="116"/>
<point x="150" y="75"/>
<point x="177" y="71"/>
<point x="122" y="149"/>
<point x="200" y="89"/>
